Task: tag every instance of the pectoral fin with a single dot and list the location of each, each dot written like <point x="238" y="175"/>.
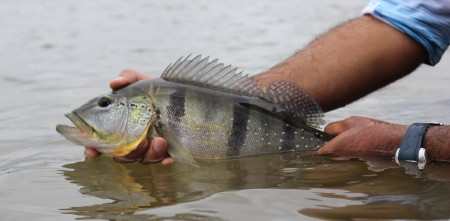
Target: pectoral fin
<point x="177" y="150"/>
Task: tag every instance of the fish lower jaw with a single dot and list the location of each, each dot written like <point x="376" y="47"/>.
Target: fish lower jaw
<point x="124" y="150"/>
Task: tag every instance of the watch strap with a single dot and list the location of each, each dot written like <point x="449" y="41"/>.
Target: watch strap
<point x="413" y="141"/>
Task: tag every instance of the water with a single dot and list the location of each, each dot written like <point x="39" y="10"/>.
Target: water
<point x="57" y="54"/>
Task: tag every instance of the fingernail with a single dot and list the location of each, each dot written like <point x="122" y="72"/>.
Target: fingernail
<point x="118" y="78"/>
<point x="158" y="146"/>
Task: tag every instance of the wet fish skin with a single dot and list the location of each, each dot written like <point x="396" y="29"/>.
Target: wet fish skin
<point x="205" y="110"/>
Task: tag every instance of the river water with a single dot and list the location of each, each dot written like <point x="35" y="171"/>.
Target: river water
<point x="55" y="55"/>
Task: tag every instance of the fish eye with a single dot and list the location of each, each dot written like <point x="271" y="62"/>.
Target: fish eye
<point x="104" y="102"/>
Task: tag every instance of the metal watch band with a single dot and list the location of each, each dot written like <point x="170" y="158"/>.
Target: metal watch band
<point x="413" y="142"/>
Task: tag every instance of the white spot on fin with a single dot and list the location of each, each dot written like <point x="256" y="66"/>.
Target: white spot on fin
<point x="296" y="100"/>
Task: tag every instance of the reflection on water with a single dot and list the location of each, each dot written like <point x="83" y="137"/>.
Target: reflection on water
<point x="361" y="192"/>
<point x="133" y="187"/>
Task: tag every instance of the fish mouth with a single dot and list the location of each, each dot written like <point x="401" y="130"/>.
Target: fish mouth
<point x="81" y="127"/>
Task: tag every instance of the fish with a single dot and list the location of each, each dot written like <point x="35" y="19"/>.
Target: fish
<point x="205" y="110"/>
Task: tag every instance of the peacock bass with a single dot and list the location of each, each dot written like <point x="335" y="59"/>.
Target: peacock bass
<point x="205" y="110"/>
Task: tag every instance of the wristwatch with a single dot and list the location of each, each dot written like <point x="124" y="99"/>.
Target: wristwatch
<point x="412" y="148"/>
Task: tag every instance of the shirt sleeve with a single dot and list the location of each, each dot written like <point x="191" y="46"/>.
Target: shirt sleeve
<point x="426" y="21"/>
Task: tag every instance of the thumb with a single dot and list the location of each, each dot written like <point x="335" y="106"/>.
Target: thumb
<point x="125" y="78"/>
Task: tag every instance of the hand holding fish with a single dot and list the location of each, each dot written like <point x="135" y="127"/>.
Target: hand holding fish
<point x="369" y="138"/>
<point x="158" y="147"/>
<point x="363" y="137"/>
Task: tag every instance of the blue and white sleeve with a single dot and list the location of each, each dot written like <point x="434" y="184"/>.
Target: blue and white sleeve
<point x="426" y="21"/>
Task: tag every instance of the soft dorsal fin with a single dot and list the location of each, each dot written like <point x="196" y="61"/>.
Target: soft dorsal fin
<point x="296" y="100"/>
<point x="201" y="72"/>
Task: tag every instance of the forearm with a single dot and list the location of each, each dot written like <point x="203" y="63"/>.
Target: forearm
<point x="350" y="61"/>
<point x="437" y="143"/>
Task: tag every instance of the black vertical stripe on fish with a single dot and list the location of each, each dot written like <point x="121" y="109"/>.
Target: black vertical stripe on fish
<point x="211" y="110"/>
<point x="288" y="138"/>
<point x="176" y="108"/>
<point x="238" y="130"/>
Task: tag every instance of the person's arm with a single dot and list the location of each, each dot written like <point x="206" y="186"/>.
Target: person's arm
<point x="343" y="65"/>
<point x="350" y="61"/>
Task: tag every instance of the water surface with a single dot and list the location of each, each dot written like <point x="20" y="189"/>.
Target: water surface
<point x="57" y="54"/>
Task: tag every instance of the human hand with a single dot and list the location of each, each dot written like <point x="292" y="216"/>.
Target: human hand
<point x="158" y="147"/>
<point x="364" y="138"/>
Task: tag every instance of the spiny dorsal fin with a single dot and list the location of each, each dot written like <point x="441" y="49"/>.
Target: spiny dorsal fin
<point x="296" y="100"/>
<point x="214" y="75"/>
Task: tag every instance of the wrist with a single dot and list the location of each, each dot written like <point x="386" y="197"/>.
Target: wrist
<point x="412" y="147"/>
<point x="437" y="143"/>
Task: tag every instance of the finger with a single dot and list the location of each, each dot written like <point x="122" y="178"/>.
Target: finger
<point x="157" y="151"/>
<point x="91" y="152"/>
<point x="335" y="128"/>
<point x="167" y="161"/>
<point x="327" y="148"/>
<point x="127" y="77"/>
<point x="135" y="154"/>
